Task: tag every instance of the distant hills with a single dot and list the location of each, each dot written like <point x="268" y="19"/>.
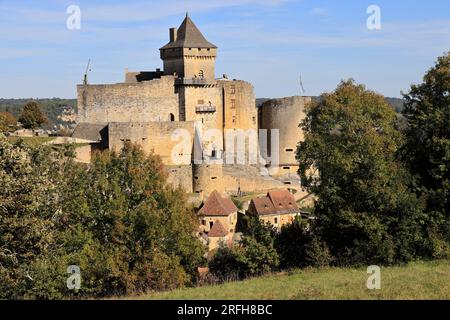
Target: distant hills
<point x="61" y="112"/>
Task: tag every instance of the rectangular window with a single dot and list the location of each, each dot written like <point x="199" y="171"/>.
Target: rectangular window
<point x="233" y="104"/>
<point x="233" y="89"/>
<point x="201" y="102"/>
<point x="275" y="220"/>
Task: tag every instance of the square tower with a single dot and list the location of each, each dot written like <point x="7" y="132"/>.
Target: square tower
<point x="188" y="54"/>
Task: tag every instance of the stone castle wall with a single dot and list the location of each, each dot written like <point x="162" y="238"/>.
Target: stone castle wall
<point x="240" y="113"/>
<point x="145" y="101"/>
<point x="157" y="137"/>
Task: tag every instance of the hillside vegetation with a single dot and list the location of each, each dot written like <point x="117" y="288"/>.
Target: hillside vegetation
<point x="53" y="108"/>
<point x="417" y="280"/>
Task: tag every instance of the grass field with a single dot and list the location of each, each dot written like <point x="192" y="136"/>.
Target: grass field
<point x="418" y="280"/>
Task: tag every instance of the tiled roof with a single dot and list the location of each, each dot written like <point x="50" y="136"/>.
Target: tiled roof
<point x="217" y="230"/>
<point x="283" y="201"/>
<point x="189" y="36"/>
<point x="263" y="206"/>
<point x="276" y="202"/>
<point x="216" y="205"/>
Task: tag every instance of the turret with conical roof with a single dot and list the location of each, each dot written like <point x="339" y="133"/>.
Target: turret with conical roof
<point x="188" y="54"/>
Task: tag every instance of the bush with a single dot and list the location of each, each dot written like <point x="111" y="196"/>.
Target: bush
<point x="250" y="258"/>
<point x="299" y="247"/>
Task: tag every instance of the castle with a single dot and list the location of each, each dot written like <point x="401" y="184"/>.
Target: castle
<point x="195" y="121"/>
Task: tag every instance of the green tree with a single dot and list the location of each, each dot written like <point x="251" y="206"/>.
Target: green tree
<point x="250" y="258"/>
<point x="117" y="220"/>
<point x="299" y="246"/>
<point x="8" y="123"/>
<point x="32" y="116"/>
<point x="29" y="211"/>
<point x="366" y="211"/>
<point x="427" y="110"/>
<point x="139" y="221"/>
<point x="253" y="227"/>
<point x="253" y="256"/>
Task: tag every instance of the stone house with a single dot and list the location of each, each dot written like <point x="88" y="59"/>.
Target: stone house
<point x="218" y="218"/>
<point x="219" y="235"/>
<point x="278" y="208"/>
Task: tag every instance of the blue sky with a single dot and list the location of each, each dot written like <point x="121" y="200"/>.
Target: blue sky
<point x="269" y="43"/>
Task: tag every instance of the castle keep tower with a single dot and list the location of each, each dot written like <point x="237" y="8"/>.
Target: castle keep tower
<point x="188" y="54"/>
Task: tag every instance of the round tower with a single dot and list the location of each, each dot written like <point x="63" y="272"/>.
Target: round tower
<point x="285" y="115"/>
<point x="207" y="178"/>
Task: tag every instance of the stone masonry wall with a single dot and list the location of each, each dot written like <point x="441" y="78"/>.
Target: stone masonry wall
<point x="153" y="100"/>
<point x="180" y="176"/>
<point x="156" y="136"/>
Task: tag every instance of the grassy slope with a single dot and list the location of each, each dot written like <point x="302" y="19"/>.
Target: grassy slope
<point x="418" y="280"/>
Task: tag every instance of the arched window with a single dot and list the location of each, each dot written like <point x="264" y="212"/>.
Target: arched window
<point x="171" y="117"/>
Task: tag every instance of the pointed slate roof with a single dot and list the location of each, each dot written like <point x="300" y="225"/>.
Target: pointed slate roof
<point x="217" y="230"/>
<point x="189" y="36"/>
<point x="216" y="205"/>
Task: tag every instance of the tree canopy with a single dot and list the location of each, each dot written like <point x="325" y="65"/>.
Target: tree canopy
<point x="116" y="219"/>
<point x="32" y="116"/>
<point x="349" y="159"/>
<point x="8" y="123"/>
<point x="427" y="109"/>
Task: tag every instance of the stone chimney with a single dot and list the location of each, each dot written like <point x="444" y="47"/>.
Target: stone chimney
<point x="173" y="34"/>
